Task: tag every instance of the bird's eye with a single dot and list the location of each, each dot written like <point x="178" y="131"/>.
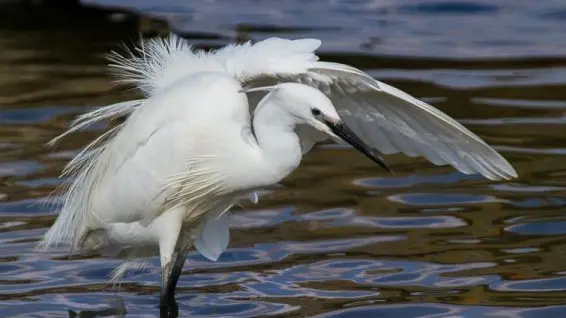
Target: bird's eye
<point x="315" y="112"/>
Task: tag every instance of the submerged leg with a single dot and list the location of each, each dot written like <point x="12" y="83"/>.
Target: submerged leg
<point x="167" y="306"/>
<point x="175" y="274"/>
<point x="167" y="228"/>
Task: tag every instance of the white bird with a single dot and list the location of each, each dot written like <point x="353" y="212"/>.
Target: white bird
<point x="201" y="139"/>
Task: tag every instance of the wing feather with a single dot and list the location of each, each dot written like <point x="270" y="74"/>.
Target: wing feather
<point x="394" y="121"/>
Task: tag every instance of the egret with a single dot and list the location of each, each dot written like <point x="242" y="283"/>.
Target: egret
<point x="214" y="127"/>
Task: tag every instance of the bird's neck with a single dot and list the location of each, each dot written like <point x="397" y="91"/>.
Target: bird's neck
<point x="279" y="145"/>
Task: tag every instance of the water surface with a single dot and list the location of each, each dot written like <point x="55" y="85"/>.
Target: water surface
<point x="340" y="237"/>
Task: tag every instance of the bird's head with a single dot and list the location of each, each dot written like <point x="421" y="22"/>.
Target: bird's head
<point x="310" y="106"/>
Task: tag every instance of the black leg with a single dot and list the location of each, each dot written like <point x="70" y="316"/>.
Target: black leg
<point x="167" y="302"/>
<point x="164" y="282"/>
<point x="176" y="273"/>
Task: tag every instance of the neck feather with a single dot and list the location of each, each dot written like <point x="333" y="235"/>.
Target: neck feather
<point x="280" y="148"/>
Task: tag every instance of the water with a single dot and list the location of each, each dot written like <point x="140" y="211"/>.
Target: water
<point x="340" y="238"/>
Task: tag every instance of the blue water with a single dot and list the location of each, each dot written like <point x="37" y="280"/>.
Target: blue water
<point x="339" y="238"/>
<point x="451" y="29"/>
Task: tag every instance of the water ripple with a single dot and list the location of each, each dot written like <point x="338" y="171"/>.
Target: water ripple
<point x="338" y="238"/>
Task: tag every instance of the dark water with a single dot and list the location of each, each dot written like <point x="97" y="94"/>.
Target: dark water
<point x="340" y="238"/>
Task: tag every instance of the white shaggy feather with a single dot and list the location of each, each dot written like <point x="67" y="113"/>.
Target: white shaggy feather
<point x="159" y="62"/>
<point x="127" y="267"/>
<point x="99" y="114"/>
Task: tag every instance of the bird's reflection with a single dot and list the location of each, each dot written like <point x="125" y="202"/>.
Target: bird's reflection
<point x="116" y="310"/>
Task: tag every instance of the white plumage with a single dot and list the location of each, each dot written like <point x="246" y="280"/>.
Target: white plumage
<point x="165" y="178"/>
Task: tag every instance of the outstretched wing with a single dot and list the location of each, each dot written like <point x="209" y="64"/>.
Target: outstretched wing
<point x="393" y="121"/>
<point x="385" y="117"/>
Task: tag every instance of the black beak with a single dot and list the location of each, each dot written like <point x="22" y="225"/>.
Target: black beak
<point x="350" y="137"/>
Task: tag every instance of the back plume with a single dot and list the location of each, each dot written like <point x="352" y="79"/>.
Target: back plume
<point x="159" y="62"/>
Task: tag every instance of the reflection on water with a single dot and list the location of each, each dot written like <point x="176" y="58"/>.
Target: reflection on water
<point x="339" y="238"/>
